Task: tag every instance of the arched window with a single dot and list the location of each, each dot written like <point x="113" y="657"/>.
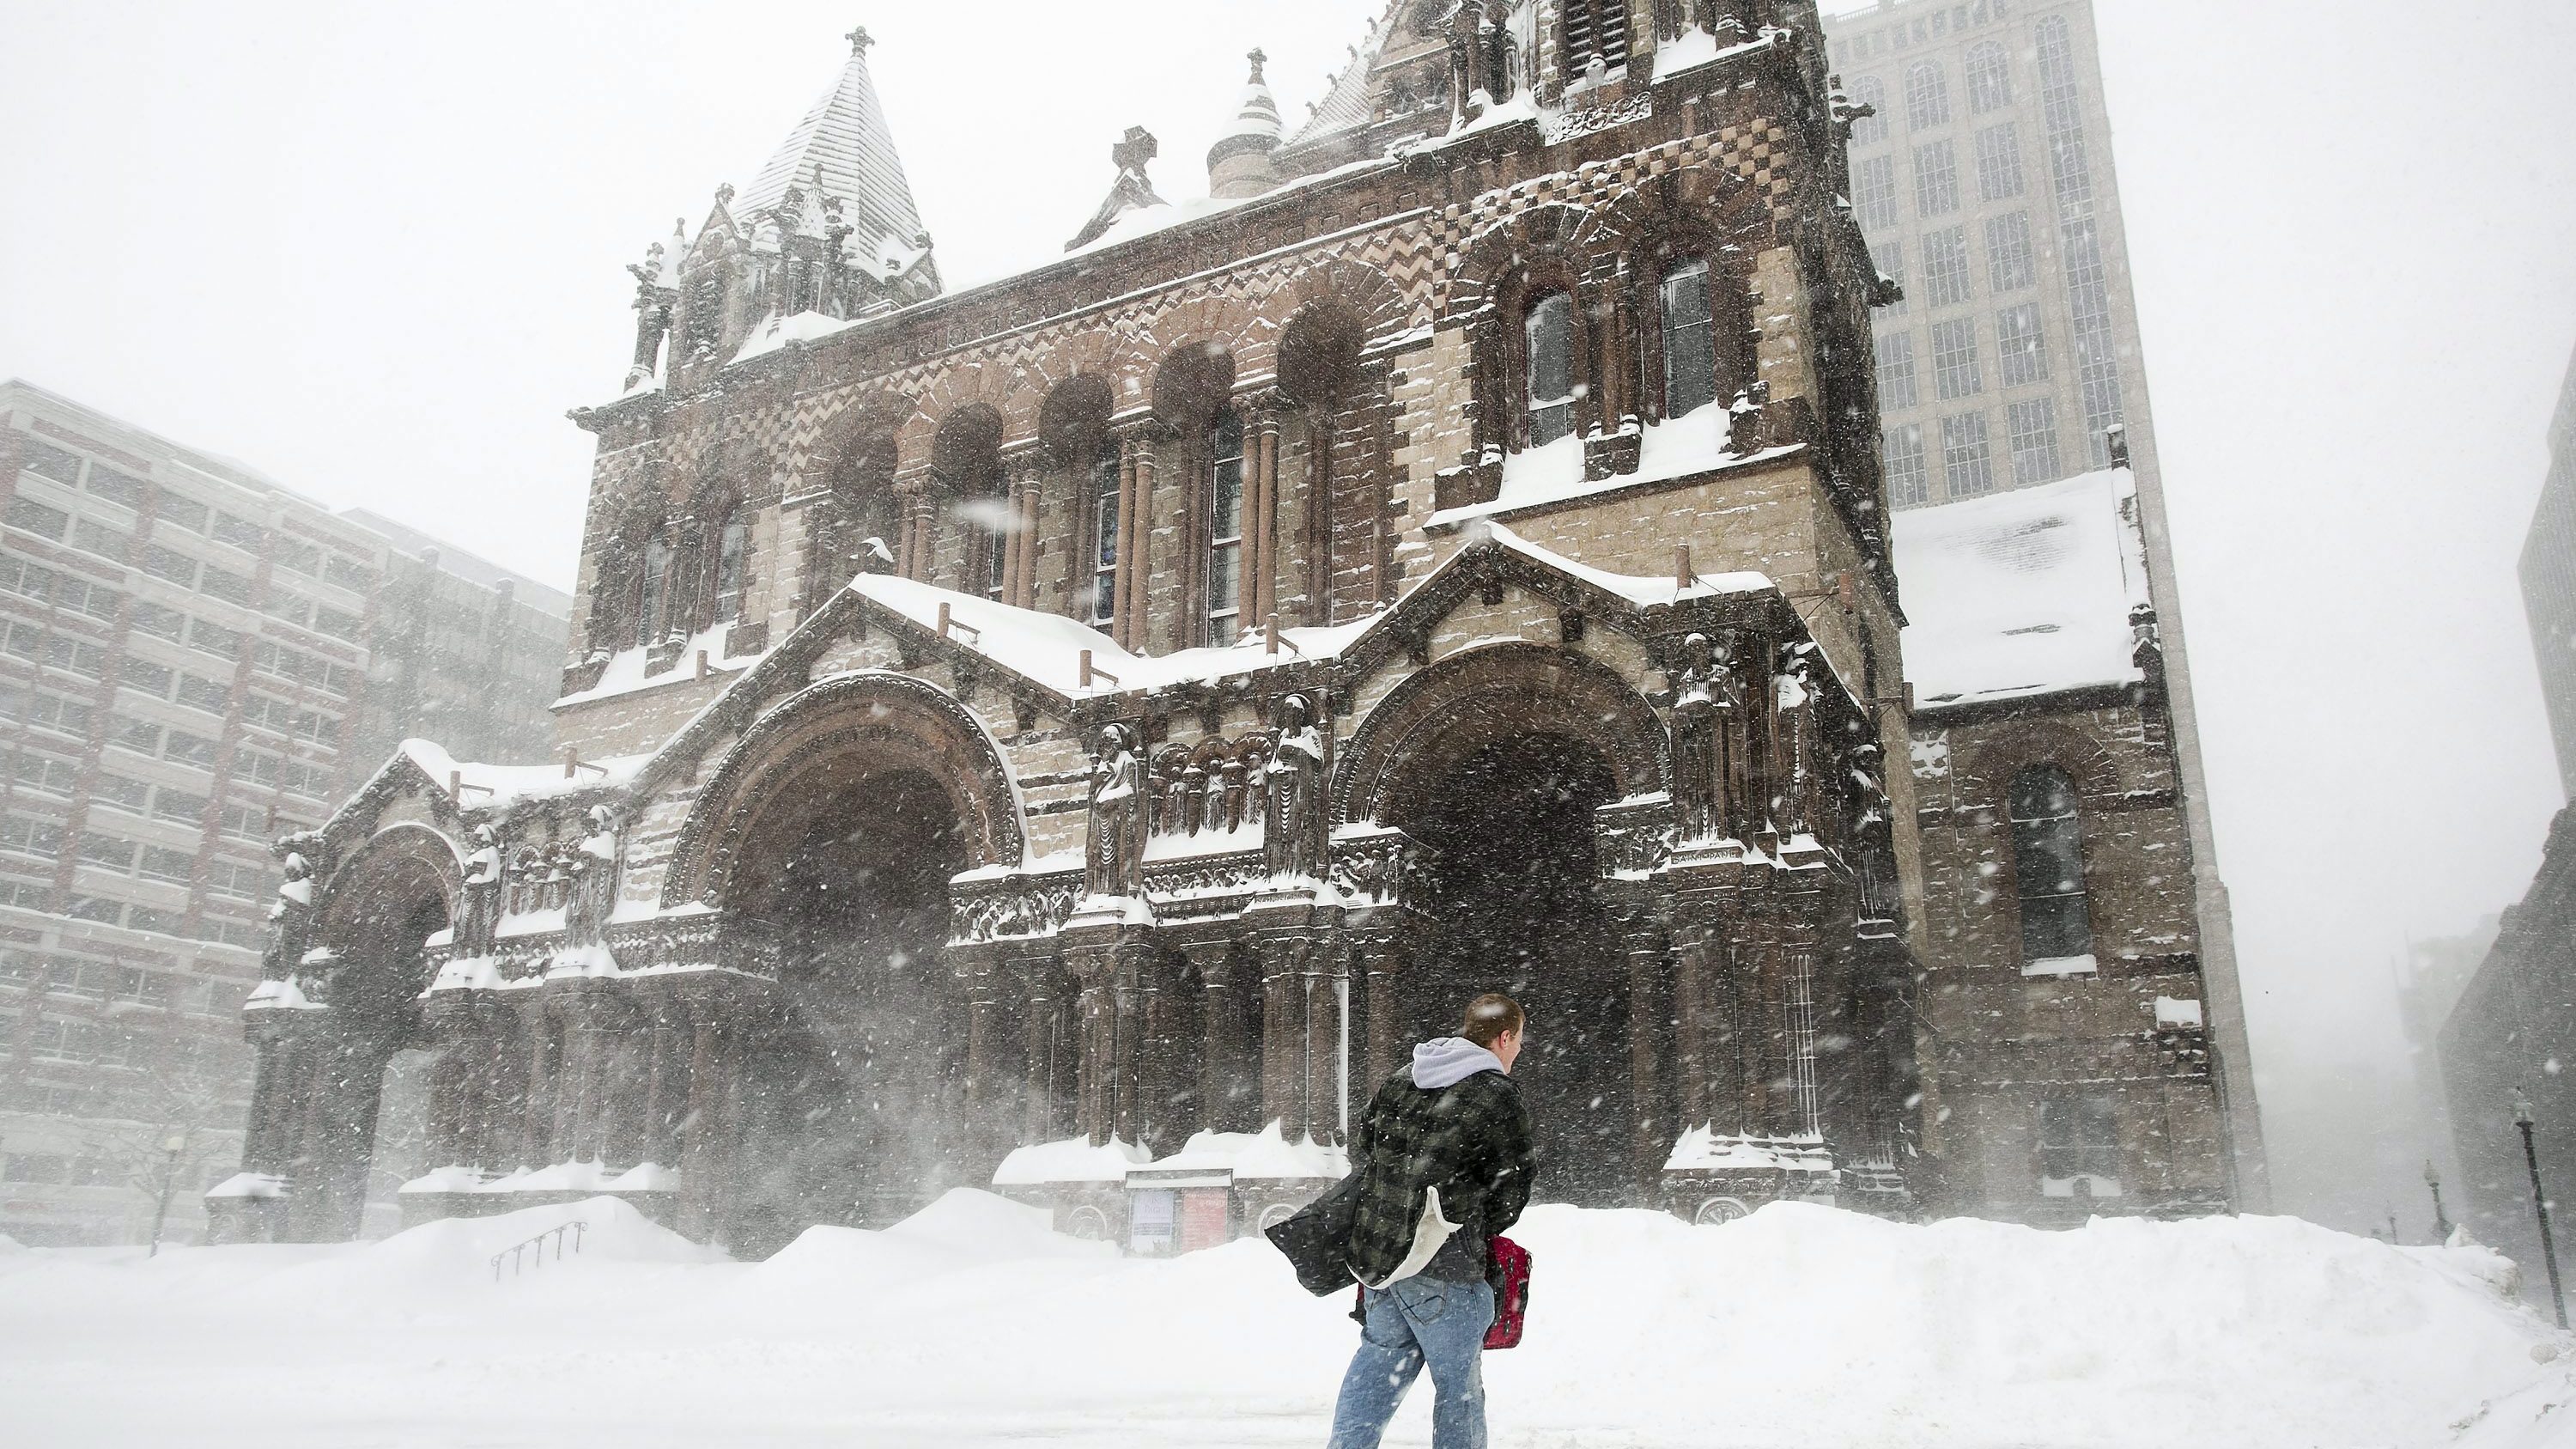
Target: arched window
<point x="1927" y="95"/>
<point x="1690" y="340"/>
<point x="1989" y="78"/>
<point x="733" y="548"/>
<point x="1870" y="129"/>
<point x="1104" y="533"/>
<point x="2048" y="869"/>
<point x="1595" y="30"/>
<point x="652" y="604"/>
<point x="1549" y="331"/>
<point x="1225" y="527"/>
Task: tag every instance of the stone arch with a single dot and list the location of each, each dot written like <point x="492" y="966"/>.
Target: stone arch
<point x="1700" y="213"/>
<point x="1986" y="774"/>
<point x="892" y="719"/>
<point x="953" y="391"/>
<point x="1364" y="290"/>
<point x="1543" y="236"/>
<point x="1144" y="344"/>
<point x="1444" y="714"/>
<point x="398" y="874"/>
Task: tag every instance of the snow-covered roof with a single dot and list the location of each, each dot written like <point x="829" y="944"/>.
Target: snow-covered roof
<point x="1047" y="648"/>
<point x="2023" y="594"/>
<point x="493" y="785"/>
<point x="843" y="147"/>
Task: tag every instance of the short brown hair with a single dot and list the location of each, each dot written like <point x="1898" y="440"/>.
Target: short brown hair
<point x="1489" y="1016"/>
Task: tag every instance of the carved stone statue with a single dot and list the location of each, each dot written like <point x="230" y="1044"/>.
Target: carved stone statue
<point x="1792" y="731"/>
<point x="593" y="895"/>
<point x="290" y="920"/>
<point x="1119" y="816"/>
<point x="478" y="923"/>
<point x="1707" y="725"/>
<point x="1293" y="839"/>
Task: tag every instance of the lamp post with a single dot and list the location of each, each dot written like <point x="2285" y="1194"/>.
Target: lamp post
<point x="175" y="1144"/>
<point x="2441" y="1220"/>
<point x="2540" y="1205"/>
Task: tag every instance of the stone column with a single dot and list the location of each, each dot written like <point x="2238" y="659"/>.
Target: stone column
<point x="1221" y="1065"/>
<point x="1136" y="564"/>
<point x="1045" y="1015"/>
<point x="701" y="1156"/>
<point x="1261" y="542"/>
<point x="1320" y="430"/>
<point x="260" y="1143"/>
<point x="1283" y="1032"/>
<point x="1652" y="1006"/>
<point x="1385" y="1031"/>
<point x="544" y="1057"/>
<point x="1327" y="980"/>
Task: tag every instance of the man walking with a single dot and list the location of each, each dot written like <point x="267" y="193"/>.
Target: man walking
<point x="1443" y="1161"/>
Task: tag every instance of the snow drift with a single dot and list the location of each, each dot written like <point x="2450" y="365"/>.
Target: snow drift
<point x="973" y="1324"/>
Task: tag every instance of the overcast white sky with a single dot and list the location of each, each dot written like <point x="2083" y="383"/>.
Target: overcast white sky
<point x="376" y="251"/>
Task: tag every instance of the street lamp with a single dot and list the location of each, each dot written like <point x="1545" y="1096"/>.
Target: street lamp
<point x="2540" y="1205"/>
<point x="177" y="1143"/>
<point x="2441" y="1221"/>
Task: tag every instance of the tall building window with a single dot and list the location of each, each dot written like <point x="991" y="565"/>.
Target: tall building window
<point x="1225" y="528"/>
<point x="1874" y="191"/>
<point x="1927" y="95"/>
<point x="1954" y="359"/>
<point x="1896" y="390"/>
<point x="2048" y="867"/>
<point x="2080" y="1137"/>
<point x="2032" y="428"/>
<point x="1104" y="532"/>
<point x="1595" y="30"/>
<point x="1936" y="178"/>
<point x="1967" y="465"/>
<point x="1989" y="77"/>
<point x="2009" y="266"/>
<point x="1909" y="483"/>
<point x="1690" y="341"/>
<point x="1945" y="267"/>
<point x="1549" y="329"/>
<point x="733" y="546"/>
<point x="2021" y="350"/>
<point x="1999" y="163"/>
<point x="652" y="597"/>
<point x="1870" y="129"/>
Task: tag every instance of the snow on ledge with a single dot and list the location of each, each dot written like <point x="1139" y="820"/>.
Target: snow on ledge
<point x="249" y="1184"/>
<point x="1072" y="1160"/>
<point x="2175" y="1013"/>
<point x="1704" y="1149"/>
<point x="2084" y="965"/>
<point x="2022" y="594"/>
<point x="1263" y="1156"/>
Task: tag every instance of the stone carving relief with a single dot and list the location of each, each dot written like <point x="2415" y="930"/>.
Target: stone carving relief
<point x="1294" y="828"/>
<point x="1114" y="862"/>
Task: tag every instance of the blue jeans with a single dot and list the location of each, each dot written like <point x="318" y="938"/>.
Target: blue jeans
<point x="1419" y="1321"/>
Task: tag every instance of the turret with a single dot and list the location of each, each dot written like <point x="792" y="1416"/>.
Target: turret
<point x="1242" y="162"/>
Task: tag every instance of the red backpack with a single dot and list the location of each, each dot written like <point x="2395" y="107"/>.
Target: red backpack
<point x="1511" y="1297"/>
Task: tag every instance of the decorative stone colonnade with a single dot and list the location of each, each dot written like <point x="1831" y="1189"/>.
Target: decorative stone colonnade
<point x="616" y="1000"/>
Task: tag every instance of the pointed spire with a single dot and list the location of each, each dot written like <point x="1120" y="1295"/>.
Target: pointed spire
<point x="844" y="150"/>
<point x="1239" y="164"/>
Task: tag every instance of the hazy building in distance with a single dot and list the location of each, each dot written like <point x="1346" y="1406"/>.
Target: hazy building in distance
<point x="1986" y="187"/>
<point x="2549" y="583"/>
<point x="2512" y="1034"/>
<point x="190" y="657"/>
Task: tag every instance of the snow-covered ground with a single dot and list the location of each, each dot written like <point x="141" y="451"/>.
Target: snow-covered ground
<point x="974" y="1325"/>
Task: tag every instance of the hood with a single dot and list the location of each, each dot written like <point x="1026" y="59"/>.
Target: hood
<point x="1447" y="1061"/>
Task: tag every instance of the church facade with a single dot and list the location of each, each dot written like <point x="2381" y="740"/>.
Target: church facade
<point x="1074" y="735"/>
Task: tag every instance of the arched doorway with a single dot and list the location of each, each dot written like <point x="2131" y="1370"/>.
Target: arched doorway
<point x="1496" y="759"/>
<point x="378" y="915"/>
<point x="833" y="830"/>
<point x="1514" y="891"/>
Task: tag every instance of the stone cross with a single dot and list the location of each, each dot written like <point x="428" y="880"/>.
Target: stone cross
<point x="860" y="40"/>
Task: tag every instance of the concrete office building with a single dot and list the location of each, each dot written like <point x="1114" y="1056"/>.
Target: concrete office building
<point x="189" y="655"/>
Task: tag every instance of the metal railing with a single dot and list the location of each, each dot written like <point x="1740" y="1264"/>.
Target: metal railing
<point x="517" y="1253"/>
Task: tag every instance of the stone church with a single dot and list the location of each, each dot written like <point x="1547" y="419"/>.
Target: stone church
<point x="1073" y="735"/>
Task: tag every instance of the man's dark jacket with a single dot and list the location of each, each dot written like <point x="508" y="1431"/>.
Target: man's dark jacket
<point x="1471" y="1140"/>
